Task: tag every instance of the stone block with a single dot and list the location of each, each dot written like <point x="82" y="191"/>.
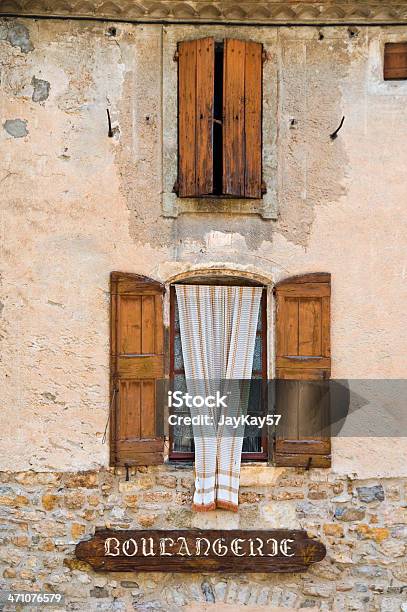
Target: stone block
<point x="157" y="497"/>
<point x="284" y="494"/>
<point x="399" y="571"/>
<point x="370" y="494"/>
<point x="259" y="476"/>
<point x="74" y="500"/>
<point x="131" y="501"/>
<point x="319" y="589"/>
<point x="94" y="500"/>
<point x="21" y="541"/>
<point x="279" y="515"/>
<point x="49" y="501"/>
<point x="249" y="497"/>
<point x="77" y="530"/>
<point x="333" y="529"/>
<point x="350" y="514"/>
<point x="99" y="592"/>
<point x="170" y="482"/>
<point x="378" y="534"/>
<point x="146" y="520"/>
<point x="86" y="480"/>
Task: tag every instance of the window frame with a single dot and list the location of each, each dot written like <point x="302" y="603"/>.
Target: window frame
<point x="263" y="456"/>
<point x="172" y="206"/>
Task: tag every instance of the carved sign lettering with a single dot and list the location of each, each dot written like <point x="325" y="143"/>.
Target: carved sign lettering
<point x="197" y="550"/>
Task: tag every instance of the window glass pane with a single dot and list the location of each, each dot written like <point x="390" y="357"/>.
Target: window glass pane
<point x="179" y="384"/>
<point x="178" y="359"/>
<point x="182" y="436"/>
<point x="253" y="434"/>
<point x="176" y="317"/>
<point x="251" y="442"/>
<point x="257" y="354"/>
<point x="183" y="440"/>
<point x="260" y="319"/>
<point x="255" y="404"/>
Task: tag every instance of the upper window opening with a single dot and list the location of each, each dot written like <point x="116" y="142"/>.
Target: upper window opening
<point x="220" y="119"/>
<point x="395" y="61"/>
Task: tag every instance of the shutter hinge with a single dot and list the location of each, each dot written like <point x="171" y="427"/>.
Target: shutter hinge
<point x="264" y="56"/>
<point x="175" y="189"/>
<point x="176" y="56"/>
<point x="307" y="467"/>
<point x="263" y="188"/>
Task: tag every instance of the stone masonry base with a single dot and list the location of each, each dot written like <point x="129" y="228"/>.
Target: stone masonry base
<point x="362" y="523"/>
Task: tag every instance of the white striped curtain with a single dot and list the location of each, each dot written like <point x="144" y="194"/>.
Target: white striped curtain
<point x="218" y="332"/>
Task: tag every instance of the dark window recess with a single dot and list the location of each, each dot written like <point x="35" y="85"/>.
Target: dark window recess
<point x="255" y="440"/>
<point x="217" y="121"/>
<point x="395" y="61"/>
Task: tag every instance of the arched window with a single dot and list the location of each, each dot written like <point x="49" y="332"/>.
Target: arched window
<point x="255" y="440"/>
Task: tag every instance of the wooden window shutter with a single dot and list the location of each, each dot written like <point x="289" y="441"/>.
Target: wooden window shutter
<point x="303" y="355"/>
<point x="242" y="118"/>
<point x="395" y="61"/>
<point x="196" y="66"/>
<point x="137" y="362"/>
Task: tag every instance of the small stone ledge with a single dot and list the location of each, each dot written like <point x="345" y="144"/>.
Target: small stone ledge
<point x="259" y="475"/>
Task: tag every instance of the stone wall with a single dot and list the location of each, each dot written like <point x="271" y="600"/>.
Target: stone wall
<point x="363" y="524"/>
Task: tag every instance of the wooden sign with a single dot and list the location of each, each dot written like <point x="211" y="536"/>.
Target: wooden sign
<point x="195" y="550"/>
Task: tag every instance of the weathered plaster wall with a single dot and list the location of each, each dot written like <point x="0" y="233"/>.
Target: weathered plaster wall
<point x="77" y="204"/>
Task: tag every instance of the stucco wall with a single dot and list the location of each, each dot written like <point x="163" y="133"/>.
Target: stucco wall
<point x="77" y="204"/>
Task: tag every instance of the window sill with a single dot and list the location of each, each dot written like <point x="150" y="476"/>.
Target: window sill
<point x="173" y="206"/>
<point x="253" y="474"/>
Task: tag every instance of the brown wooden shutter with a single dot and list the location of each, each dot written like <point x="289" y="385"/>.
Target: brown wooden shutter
<point x="137" y="362"/>
<point x="242" y="118"/>
<point x="196" y="65"/>
<point x="303" y="355"/>
<point x="395" y="61"/>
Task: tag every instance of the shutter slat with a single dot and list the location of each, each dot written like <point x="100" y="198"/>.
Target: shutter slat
<point x="147" y="324"/>
<point x="187" y="119"/>
<point x="129" y="409"/>
<point x="242" y="118"/>
<point x="137" y="362"/>
<point x="233" y="117"/>
<point x="253" y="120"/>
<point x="196" y="65"/>
<point x="303" y="367"/>
<point x="205" y="84"/>
<point x="309" y="326"/>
